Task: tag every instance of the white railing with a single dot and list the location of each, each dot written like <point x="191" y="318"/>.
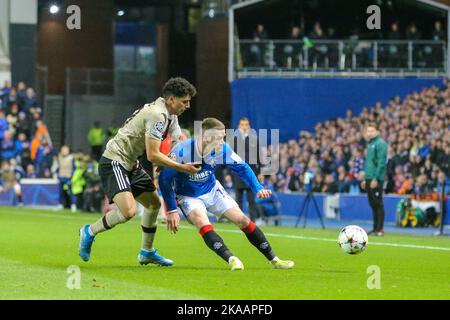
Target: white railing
<point x="287" y="58"/>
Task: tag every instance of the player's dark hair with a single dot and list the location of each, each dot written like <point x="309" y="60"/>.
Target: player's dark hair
<point x="212" y="123"/>
<point x="178" y="87"/>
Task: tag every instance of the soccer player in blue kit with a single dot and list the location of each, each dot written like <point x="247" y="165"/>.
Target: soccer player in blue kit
<point x="201" y="192"/>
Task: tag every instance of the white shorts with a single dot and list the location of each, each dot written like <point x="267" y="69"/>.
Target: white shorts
<point x="217" y="202"/>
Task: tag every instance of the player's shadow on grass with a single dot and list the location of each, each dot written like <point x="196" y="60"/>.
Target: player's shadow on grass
<point x="134" y="268"/>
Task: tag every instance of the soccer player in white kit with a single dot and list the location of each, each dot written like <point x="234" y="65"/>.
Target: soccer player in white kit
<point x="126" y="180"/>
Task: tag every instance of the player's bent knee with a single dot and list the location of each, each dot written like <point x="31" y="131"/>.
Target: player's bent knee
<point x="129" y="212"/>
<point x="198" y="219"/>
<point x="243" y="221"/>
<point x="155" y="205"/>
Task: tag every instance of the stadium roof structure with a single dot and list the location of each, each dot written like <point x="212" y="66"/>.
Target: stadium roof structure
<point x="438" y="3"/>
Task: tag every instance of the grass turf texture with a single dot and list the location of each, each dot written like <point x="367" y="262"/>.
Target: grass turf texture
<point x="37" y="247"/>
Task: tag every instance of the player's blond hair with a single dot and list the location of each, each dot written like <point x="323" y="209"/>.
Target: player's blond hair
<point x="212" y="123"/>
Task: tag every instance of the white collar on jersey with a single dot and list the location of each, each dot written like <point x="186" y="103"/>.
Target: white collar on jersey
<point x="171" y="116"/>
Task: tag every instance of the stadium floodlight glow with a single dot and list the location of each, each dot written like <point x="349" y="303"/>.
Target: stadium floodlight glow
<point x="54" y="9"/>
<point x="120" y="13"/>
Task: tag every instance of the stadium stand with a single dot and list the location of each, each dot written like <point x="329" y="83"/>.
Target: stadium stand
<point x="417" y="129"/>
<point x="26" y="151"/>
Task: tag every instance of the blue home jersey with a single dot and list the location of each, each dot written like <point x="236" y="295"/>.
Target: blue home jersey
<point x="173" y="182"/>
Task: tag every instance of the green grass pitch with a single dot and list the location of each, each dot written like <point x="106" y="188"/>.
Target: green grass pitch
<point x="37" y="247"/>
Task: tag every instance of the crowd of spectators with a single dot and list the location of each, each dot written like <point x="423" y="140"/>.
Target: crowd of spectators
<point x="27" y="151"/>
<point x="417" y="130"/>
<point x="25" y="146"/>
<point x="326" y="55"/>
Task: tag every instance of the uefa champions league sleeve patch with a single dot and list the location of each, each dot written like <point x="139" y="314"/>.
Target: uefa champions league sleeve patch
<point x="158" y="129"/>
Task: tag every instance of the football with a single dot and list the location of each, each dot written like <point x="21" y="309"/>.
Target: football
<point x="353" y="239"/>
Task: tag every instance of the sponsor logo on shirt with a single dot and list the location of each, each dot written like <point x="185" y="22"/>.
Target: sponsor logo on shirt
<point x="200" y="177"/>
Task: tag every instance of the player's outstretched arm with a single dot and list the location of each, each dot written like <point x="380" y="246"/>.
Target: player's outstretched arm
<point x="165" y="181"/>
<point x="161" y="160"/>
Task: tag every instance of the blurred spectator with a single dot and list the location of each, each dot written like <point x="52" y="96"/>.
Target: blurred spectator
<point x="281" y="183"/>
<point x="9" y="180"/>
<point x="30" y="100"/>
<point x="35" y="144"/>
<point x="112" y="130"/>
<point x="96" y="138"/>
<point x="342" y="180"/>
<point x="4" y="91"/>
<point x="319" y="51"/>
<point x="257" y="49"/>
<point x="65" y="162"/>
<point x="23" y="124"/>
<point x="415" y="165"/>
<point x="31" y="172"/>
<point x="442" y="181"/>
<point x="40" y="128"/>
<point x="270" y="207"/>
<point x="25" y="154"/>
<point x="403" y="185"/>
<point x="428" y="168"/>
<point x="318" y="183"/>
<point x="260" y="33"/>
<point x="412" y="33"/>
<point x="11" y="148"/>
<point x="18" y="170"/>
<point x="93" y="195"/>
<point x="355" y="184"/>
<point x="9" y="99"/>
<point x="3" y="125"/>
<point x="330" y="185"/>
<point x="78" y="182"/>
<point x="422" y="187"/>
<point x="394" y="51"/>
<point x="293" y="177"/>
<point x="357" y="161"/>
<point x="326" y="162"/>
<point x="228" y="185"/>
<point x="44" y="158"/>
<point x="12" y="118"/>
<point x="292" y="52"/>
<point x="245" y="145"/>
<point x="438" y="34"/>
<point x="21" y="95"/>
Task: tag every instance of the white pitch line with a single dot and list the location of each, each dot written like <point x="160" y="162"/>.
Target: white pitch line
<point x="289" y="236"/>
